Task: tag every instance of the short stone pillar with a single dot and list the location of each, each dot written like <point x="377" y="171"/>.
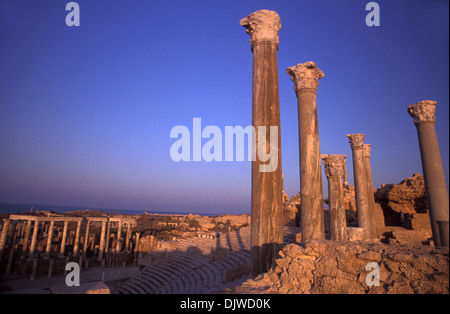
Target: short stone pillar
<point x="334" y="170"/>
<point x="64" y="238"/>
<point x="424" y="117"/>
<point x="360" y="178"/>
<point x="266" y="201"/>
<point x="77" y="239"/>
<point x="306" y="80"/>
<point x="3" y="236"/>
<point x="49" y="238"/>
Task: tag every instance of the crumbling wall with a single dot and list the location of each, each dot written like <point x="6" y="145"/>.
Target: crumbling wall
<point x="327" y="267"/>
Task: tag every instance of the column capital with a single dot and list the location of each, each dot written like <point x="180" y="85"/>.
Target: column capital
<point x="262" y="26"/>
<point x="366" y="150"/>
<point x="423" y="111"/>
<point x="305" y="76"/>
<point x="356" y="140"/>
<point x="334" y="164"/>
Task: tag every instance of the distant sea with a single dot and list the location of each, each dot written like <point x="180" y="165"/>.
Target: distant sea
<point x="25" y="208"/>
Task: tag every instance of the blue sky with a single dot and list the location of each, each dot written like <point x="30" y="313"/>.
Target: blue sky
<point x="86" y="112"/>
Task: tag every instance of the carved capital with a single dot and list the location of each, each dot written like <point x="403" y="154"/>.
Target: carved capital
<point x="423" y="111"/>
<point x="305" y="76"/>
<point x="356" y="140"/>
<point x="366" y="150"/>
<point x="334" y="165"/>
<point x="262" y="26"/>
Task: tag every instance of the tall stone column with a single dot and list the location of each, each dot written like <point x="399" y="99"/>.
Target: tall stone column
<point x="345" y="172"/>
<point x="108" y="235"/>
<point x="86" y="239"/>
<point x="334" y="170"/>
<point x="102" y="241"/>
<point x="136" y="249"/>
<point x="360" y="178"/>
<point x="3" y="236"/>
<point x="26" y="237"/>
<point x="119" y="236"/>
<point x="64" y="238"/>
<point x="305" y="77"/>
<point x="34" y="239"/>
<point x="266" y="202"/>
<point x="77" y="239"/>
<point x="424" y="117"/>
<point x="128" y="235"/>
<point x="370" y="193"/>
<point x="49" y="238"/>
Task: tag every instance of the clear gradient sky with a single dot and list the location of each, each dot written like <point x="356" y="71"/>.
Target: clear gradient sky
<point x="86" y="112"/>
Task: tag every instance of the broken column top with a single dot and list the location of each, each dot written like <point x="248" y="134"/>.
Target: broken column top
<point x="334" y="164"/>
<point x="356" y="140"/>
<point x="263" y="26"/>
<point x="423" y="111"/>
<point x="305" y="75"/>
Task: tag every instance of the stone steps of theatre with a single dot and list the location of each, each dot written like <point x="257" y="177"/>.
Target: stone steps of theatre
<point x="196" y="279"/>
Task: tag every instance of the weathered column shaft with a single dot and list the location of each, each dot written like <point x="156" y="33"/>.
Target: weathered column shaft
<point x="64" y="238"/>
<point x="26" y="237"/>
<point x="119" y="236"/>
<point x="305" y="77"/>
<point x="108" y="235"/>
<point x="86" y="239"/>
<point x="102" y="241"/>
<point x="424" y="117"/>
<point x="77" y="239"/>
<point x="360" y="178"/>
<point x="334" y="170"/>
<point x="266" y="202"/>
<point x="3" y="236"/>
<point x="370" y="193"/>
<point x="128" y="235"/>
<point x="34" y="238"/>
<point x="50" y="237"/>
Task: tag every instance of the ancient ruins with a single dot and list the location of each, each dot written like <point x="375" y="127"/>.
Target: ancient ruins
<point x="294" y="245"/>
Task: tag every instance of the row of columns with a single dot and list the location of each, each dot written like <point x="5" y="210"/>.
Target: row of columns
<point x="29" y="220"/>
<point x="263" y="27"/>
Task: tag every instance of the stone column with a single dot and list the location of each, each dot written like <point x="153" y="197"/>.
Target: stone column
<point x="127" y="239"/>
<point x="34" y="238"/>
<point x="26" y="237"/>
<point x="64" y="238"/>
<point x="345" y="172"/>
<point x="360" y="178"/>
<point x="370" y="193"/>
<point x="102" y="241"/>
<point x="49" y="239"/>
<point x="305" y="77"/>
<point x="108" y="235"/>
<point x="86" y="239"/>
<point x="424" y="117"/>
<point x="136" y="249"/>
<point x="266" y="202"/>
<point x="119" y="236"/>
<point x="77" y="239"/>
<point x="334" y="170"/>
<point x="3" y="236"/>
